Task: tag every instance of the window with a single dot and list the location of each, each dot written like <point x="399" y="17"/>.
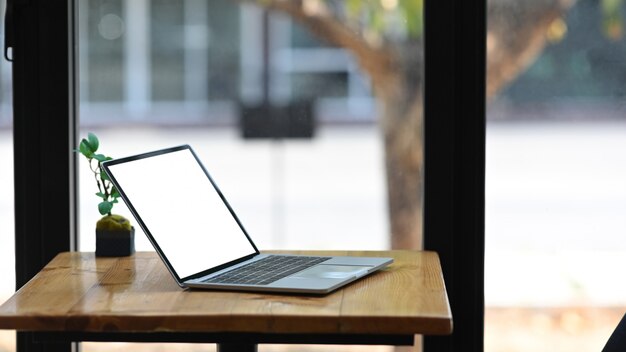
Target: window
<point x="555" y="171"/>
<point x="161" y="73"/>
<point x="7" y="214"/>
<point x="53" y="77"/>
<point x="196" y="68"/>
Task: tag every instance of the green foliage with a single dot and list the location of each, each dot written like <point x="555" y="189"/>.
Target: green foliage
<point x="612" y="21"/>
<point x="105" y="208"/>
<point x="106" y="191"/>
<point x="385" y="17"/>
<point x="414" y="13"/>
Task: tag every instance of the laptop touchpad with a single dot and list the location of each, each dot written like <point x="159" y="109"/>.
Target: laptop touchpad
<point x="331" y="272"/>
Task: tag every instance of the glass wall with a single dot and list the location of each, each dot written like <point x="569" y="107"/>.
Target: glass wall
<point x="556" y="167"/>
<point x="196" y="67"/>
<point x="300" y="127"/>
<point x="7" y="214"/>
<point x="6" y="97"/>
<point x="195" y="62"/>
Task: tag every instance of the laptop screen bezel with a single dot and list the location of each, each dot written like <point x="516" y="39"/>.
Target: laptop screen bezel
<point x="106" y="167"/>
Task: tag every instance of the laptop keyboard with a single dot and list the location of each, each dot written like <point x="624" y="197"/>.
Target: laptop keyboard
<point x="267" y="270"/>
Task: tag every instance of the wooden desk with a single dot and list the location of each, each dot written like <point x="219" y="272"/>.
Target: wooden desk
<point x="82" y="298"/>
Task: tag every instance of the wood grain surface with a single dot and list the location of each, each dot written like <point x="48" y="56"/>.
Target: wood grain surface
<point x="78" y="292"/>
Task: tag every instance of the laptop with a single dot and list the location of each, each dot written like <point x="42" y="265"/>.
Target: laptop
<point x="200" y="239"/>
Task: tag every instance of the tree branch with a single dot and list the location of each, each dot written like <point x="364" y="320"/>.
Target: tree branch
<point x="378" y="63"/>
<point x="516" y="35"/>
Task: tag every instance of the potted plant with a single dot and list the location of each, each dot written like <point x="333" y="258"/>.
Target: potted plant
<point x="115" y="237"/>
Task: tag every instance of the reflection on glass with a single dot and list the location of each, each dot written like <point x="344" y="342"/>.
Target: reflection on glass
<point x="555" y="170"/>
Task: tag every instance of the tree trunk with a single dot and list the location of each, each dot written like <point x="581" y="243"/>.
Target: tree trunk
<point x="516" y="35"/>
<point x="404" y="164"/>
<point x="404" y="161"/>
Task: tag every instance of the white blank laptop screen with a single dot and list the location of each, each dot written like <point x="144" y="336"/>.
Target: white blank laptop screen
<point x="182" y="211"/>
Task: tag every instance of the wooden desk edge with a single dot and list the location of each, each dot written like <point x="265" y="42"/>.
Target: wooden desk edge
<point x="435" y="325"/>
<point x="426" y="326"/>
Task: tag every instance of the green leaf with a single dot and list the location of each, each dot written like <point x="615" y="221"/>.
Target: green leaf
<point x="115" y="193"/>
<point x="378" y="21"/>
<point x="93" y="141"/>
<point x="354" y="7"/>
<point x="611" y="6"/>
<point x="105" y="207"/>
<point x="85" y="149"/>
<point x="412" y="10"/>
<point x="100" y="157"/>
<point x="104" y="176"/>
<point x="101" y="195"/>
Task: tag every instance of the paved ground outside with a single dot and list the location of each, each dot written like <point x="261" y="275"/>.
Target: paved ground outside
<point x="556" y="195"/>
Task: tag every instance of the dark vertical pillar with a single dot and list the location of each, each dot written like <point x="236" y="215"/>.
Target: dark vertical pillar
<point x="455" y="34"/>
<point x="44" y="133"/>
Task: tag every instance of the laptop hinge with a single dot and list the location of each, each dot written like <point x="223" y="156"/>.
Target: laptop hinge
<point x="219" y="267"/>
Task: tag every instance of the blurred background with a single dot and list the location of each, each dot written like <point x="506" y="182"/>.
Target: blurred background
<point x="304" y="129"/>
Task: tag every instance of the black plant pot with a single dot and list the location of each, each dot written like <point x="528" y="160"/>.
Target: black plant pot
<point x="115" y="243"/>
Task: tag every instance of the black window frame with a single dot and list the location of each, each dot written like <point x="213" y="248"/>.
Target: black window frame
<point x="454" y="153"/>
<point x="45" y="133"/>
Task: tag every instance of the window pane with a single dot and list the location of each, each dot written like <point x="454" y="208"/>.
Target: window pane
<point x="103" y="63"/>
<point x="285" y="116"/>
<point x="167" y="50"/>
<point x="7" y="213"/>
<point x="555" y="175"/>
